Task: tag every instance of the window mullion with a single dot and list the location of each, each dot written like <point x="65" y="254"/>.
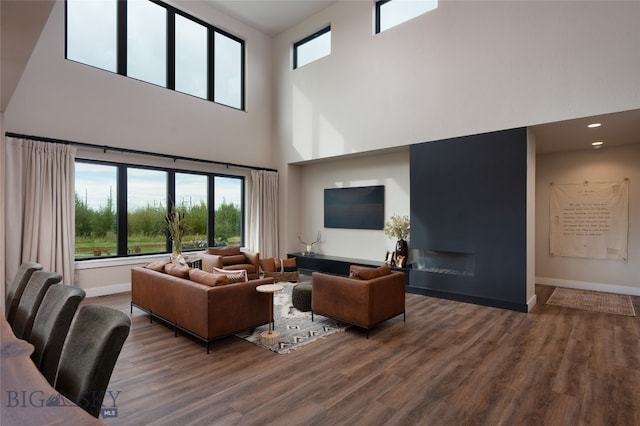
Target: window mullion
<point x="121" y="212"/>
<point x="171" y="49"/>
<point x="122" y="37"/>
<point x="210" y="67"/>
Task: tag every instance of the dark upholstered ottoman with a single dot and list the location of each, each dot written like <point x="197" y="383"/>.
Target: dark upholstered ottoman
<point x="301" y="296"/>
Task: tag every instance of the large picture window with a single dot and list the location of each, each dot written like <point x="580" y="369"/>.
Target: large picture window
<point x="112" y="197"/>
<point x="154" y="42"/>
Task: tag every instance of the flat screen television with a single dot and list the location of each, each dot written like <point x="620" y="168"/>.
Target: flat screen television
<point x="354" y="208"/>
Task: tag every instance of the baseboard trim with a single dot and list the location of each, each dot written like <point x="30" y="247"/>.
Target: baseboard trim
<point x="584" y="285"/>
<point x="532" y="302"/>
<point x="512" y="306"/>
<point x="107" y="290"/>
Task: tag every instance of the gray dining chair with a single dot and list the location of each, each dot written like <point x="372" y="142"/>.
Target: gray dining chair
<point x="16" y="289"/>
<point x="30" y="301"/>
<point x="89" y="355"/>
<point x="51" y="325"/>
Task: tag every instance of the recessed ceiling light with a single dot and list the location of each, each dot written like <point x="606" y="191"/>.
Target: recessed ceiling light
<point x="597" y="143"/>
<point x="594" y="125"/>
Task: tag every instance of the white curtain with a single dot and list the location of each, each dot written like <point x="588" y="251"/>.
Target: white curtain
<point x="263" y="213"/>
<point x="40" y="206"/>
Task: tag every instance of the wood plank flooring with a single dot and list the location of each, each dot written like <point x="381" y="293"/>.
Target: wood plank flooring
<point x="450" y="363"/>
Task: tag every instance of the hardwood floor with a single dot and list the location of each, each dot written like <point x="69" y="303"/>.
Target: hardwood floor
<point x="450" y="363"/>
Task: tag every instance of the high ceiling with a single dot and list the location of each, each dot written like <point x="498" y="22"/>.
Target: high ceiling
<point x="23" y="21"/>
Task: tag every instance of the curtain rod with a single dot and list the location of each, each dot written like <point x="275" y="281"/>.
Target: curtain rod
<point x="106" y="148"/>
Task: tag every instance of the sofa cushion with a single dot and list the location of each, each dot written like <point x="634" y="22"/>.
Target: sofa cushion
<point x="269" y="264"/>
<point x="177" y="270"/>
<point x="233" y="276"/>
<point x="366" y="273"/>
<point x="157" y="266"/>
<point x="226" y="251"/>
<point x="207" y="278"/>
<point x="233" y="259"/>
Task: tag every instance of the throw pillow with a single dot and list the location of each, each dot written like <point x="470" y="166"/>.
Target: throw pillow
<point x="289" y="265"/>
<point x="233" y="276"/>
<point x="268" y="264"/>
<point x="207" y="278"/>
<point x="158" y="265"/>
<point x="177" y="270"/>
<point x="366" y="273"/>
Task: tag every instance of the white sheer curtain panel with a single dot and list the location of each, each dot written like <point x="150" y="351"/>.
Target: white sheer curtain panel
<point x="40" y="210"/>
<point x="263" y="213"/>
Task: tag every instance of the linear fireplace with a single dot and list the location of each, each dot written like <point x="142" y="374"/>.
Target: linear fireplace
<point x="444" y="262"/>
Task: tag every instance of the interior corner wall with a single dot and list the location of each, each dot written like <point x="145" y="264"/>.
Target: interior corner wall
<point x="603" y="165"/>
<point x="469" y="198"/>
<point x="464" y="68"/>
<point x="389" y="169"/>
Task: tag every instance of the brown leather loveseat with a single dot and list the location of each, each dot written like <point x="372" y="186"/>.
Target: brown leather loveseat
<point x="367" y="297"/>
<point x="232" y="259"/>
<point x="206" y="311"/>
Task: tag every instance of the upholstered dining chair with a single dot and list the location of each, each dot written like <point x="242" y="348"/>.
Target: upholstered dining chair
<point x="89" y="355"/>
<point x="30" y="301"/>
<point x="51" y="325"/>
<point x="18" y="284"/>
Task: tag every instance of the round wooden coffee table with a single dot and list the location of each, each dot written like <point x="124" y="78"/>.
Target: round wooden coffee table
<point x="270" y="337"/>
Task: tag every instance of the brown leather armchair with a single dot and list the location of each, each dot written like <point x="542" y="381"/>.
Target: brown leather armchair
<point x="232" y="259"/>
<point x="363" y="302"/>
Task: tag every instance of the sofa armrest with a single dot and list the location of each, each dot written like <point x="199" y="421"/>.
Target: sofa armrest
<point x="210" y="261"/>
<point x="253" y="258"/>
<point x="387" y="296"/>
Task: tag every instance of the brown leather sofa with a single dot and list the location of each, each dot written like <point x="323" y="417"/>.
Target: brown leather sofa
<point x="232" y="259"/>
<point x="366" y="298"/>
<point x="206" y="312"/>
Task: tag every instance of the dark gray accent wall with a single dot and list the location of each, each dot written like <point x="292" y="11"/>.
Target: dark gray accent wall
<point x="468" y="198"/>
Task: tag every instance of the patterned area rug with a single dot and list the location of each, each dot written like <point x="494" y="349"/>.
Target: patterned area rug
<point x="596" y="301"/>
<point x="295" y="327"/>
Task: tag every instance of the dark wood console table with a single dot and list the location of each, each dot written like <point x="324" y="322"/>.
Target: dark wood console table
<point x="336" y="265"/>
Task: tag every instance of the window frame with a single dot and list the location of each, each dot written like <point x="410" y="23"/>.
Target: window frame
<point x="121" y="50"/>
<point x="121" y="207"/>
<point x="378" y="10"/>
<point x="304" y="41"/>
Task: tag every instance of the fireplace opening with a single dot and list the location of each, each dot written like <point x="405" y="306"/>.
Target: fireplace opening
<point x="444" y="262"/>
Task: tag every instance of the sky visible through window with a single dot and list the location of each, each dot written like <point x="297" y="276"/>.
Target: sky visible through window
<point x="94" y="183"/>
<point x="91" y="33"/>
<point x="396" y="12"/>
<point x="314" y="49"/>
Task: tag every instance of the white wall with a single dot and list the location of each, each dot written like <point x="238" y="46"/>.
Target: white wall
<point x="62" y="99"/>
<point x="467" y="67"/>
<point x="390" y="170"/>
<point x="607" y="164"/>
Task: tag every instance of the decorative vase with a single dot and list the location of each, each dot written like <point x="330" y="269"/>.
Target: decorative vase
<point x="176" y="254"/>
<point x="402" y="249"/>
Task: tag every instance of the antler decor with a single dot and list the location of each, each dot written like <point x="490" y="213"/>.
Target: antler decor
<point x="309" y="245"/>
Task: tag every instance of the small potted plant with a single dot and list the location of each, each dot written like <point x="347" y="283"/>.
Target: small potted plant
<point x="398" y="227"/>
